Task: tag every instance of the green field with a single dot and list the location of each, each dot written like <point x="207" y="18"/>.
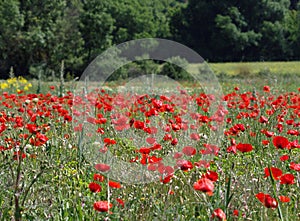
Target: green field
<point x="237" y="68"/>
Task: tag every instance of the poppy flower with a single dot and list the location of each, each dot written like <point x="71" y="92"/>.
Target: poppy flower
<point x="109" y="141"/>
<point x="102" y="167"/>
<point x="210" y="149"/>
<point x="231" y="149"/>
<point x="150" y="140"/>
<point x="184" y="165"/>
<point x="219" y="213"/>
<point x="276" y="173"/>
<point x="98" y="177"/>
<point x="144" y="150"/>
<point x="284" y="199"/>
<point x="167" y="178"/>
<point x="114" y="184"/>
<point x="189" y="151"/>
<point x="281" y="142"/>
<point x="139" y="124"/>
<point x="265" y="142"/>
<point x="267" y="88"/>
<point x="235" y="212"/>
<point x="294" y="166"/>
<point x="263" y="119"/>
<point x="204" y="185"/>
<point x="267" y="200"/>
<point x="195" y="136"/>
<point x="156" y="146"/>
<point x="269" y="133"/>
<point x="121" y="202"/>
<point x="94" y="187"/>
<point x="175" y="127"/>
<point x="167" y="137"/>
<point x="244" y="147"/>
<point x="213" y="176"/>
<point x="284" y="157"/>
<point x="293" y="132"/>
<point x="177" y="155"/>
<point x="287" y="179"/>
<point x="102" y="206"/>
<point x="294" y="144"/>
<point x="174" y="142"/>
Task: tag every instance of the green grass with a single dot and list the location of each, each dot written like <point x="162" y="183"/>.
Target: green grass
<point x="236" y="68"/>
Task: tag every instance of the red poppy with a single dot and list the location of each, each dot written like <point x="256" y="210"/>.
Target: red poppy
<point x="139" y="124"/>
<point x="231" y="149"/>
<point x="98" y="177"/>
<point x="210" y="149"/>
<point x="102" y="206"/>
<point x="109" y="141"/>
<point x="235" y="212"/>
<point x="244" y="147"/>
<point x="263" y="119"/>
<point x="167" y="178"/>
<point x="294" y="144"/>
<point x="150" y="140"/>
<point x="38" y="140"/>
<point x="265" y="142"/>
<point x="195" y="136"/>
<point x="114" y="184"/>
<point x="293" y="132"/>
<point x="189" y="151"/>
<point x="102" y="167"/>
<point x="94" y="187"/>
<point x="144" y="150"/>
<point x="294" y="166"/>
<point x="219" y="213"/>
<point x="269" y="133"/>
<point x="284" y="157"/>
<point x="204" y="185"/>
<point x="287" y="179"/>
<point x="281" y="142"/>
<point x="121" y="202"/>
<point x="177" y="155"/>
<point x="174" y="141"/>
<point x="184" y="165"/>
<point x="284" y="199"/>
<point x="267" y="200"/>
<point x="276" y="173"/>
<point x="167" y="137"/>
<point x="213" y="176"/>
<point x="175" y="127"/>
<point x="267" y="88"/>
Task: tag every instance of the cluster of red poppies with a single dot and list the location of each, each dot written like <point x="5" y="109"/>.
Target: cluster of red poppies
<point x="181" y="132"/>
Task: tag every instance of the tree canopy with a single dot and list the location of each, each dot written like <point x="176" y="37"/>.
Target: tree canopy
<point x="38" y="35"/>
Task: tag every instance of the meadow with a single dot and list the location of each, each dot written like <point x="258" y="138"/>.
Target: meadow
<point x="290" y="68"/>
<point x="105" y="154"/>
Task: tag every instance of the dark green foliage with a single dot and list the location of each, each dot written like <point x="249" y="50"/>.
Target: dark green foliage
<point x="36" y="36"/>
<point x="239" y="30"/>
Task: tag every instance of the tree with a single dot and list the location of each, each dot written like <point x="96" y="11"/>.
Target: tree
<point x="97" y="25"/>
<point x="11" y="22"/>
<point x="235" y="30"/>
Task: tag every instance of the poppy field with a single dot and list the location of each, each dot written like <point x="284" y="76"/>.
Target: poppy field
<point x="183" y="155"/>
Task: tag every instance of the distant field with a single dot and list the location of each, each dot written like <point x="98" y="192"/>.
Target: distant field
<point x="236" y="68"/>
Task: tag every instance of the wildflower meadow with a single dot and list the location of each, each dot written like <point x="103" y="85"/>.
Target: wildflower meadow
<point x="173" y="172"/>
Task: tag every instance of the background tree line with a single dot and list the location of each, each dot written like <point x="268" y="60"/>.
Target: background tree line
<point x="35" y="36"/>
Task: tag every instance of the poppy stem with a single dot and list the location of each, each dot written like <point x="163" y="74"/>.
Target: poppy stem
<point x="108" y="197"/>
